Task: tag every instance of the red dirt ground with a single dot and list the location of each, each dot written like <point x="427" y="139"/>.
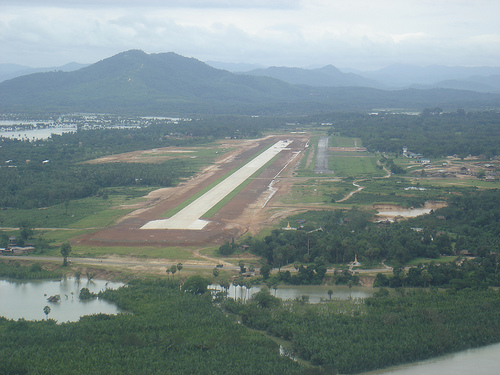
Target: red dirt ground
<point x="243" y="213"/>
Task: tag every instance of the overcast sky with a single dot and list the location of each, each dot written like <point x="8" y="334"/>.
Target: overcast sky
<point x="363" y="34"/>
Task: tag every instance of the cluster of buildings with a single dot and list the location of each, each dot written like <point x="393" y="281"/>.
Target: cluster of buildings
<point x="488" y="171"/>
<point x="13" y="249"/>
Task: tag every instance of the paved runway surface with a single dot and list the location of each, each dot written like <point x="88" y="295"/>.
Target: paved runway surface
<point x="189" y="217"/>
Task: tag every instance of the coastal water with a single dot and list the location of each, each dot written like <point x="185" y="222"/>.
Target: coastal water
<point x="26" y="299"/>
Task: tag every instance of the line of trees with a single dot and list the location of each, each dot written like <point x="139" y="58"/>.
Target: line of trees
<point x="14" y="269"/>
<point x="431" y="134"/>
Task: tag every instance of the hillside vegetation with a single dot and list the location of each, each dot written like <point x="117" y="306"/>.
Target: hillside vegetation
<point x="169" y="84"/>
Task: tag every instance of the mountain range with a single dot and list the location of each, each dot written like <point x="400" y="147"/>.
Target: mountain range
<point x="327" y="76"/>
<point x="394" y="77"/>
<point x="9" y="71"/>
<point x="168" y="83"/>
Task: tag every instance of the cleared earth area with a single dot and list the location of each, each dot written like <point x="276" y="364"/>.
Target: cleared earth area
<point x="246" y="211"/>
<point x="189" y="217"/>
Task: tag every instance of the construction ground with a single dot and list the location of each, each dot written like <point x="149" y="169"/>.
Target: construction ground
<point x="250" y="210"/>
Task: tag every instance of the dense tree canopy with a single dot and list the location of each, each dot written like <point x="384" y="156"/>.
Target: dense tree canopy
<point x="389" y="329"/>
<point x="431" y="134"/>
<point x="470" y="222"/>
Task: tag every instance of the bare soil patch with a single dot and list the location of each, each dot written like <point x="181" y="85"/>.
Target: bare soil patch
<point x="156" y="155"/>
<point x="244" y="213"/>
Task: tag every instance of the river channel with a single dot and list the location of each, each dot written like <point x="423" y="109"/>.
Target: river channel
<point x="26" y="299"/>
<point x="479" y="361"/>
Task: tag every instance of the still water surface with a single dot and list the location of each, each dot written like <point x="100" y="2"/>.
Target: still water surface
<point x="314" y="292"/>
<point x="34" y="134"/>
<point x="480" y="361"/>
<point x="26" y="299"/>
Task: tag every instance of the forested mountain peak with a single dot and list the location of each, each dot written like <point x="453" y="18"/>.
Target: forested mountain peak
<point x="152" y="67"/>
<point x="134" y="79"/>
<point x="167" y="83"/>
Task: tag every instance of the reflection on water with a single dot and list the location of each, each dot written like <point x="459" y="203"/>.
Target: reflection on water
<point x="388" y="211"/>
<point x="315" y="292"/>
<point x="480" y="361"/>
<point x="26" y="299"/>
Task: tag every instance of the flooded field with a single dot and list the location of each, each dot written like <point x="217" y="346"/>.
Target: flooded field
<point x="389" y="212"/>
<point x="26" y="299"/>
<point x="315" y="293"/>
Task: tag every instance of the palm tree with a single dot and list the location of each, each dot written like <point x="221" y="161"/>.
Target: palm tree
<point x="330" y="292"/>
<point x="350" y="284"/>
<point x="216" y="272"/>
<point x="46" y="311"/>
<point x="275" y="287"/>
<point x="65" y="251"/>
<point x="179" y="267"/>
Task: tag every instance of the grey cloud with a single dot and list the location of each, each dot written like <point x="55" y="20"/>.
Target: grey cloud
<point x="165" y="4"/>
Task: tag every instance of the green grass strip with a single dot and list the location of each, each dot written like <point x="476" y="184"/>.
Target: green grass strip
<point x="240" y="187"/>
<point x="190" y="200"/>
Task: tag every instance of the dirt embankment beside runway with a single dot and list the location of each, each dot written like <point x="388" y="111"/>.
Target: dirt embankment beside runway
<point x="243" y="213"/>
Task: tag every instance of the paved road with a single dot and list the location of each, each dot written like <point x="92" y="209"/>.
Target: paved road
<point x="321" y="165"/>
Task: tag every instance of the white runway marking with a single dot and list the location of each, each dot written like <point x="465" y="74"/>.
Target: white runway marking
<point x="189" y="217"/>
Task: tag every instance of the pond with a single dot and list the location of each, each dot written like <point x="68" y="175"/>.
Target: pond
<point x="26" y="299"/>
<point x="389" y="212"/>
<point x="314" y="292"/>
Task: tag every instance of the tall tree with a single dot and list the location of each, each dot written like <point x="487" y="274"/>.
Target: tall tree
<point x="173" y="269"/>
<point x="216" y="272"/>
<point x="241" y="264"/>
<point x="65" y="251"/>
<point x="46" y="311"/>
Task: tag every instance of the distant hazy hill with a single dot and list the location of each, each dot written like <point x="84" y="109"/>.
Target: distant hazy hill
<point x="167" y="83"/>
<point x="479" y="79"/>
<point x="234" y="67"/>
<point x="328" y="76"/>
<point x="9" y="71"/>
<point x="482" y="79"/>
<point x="476" y="83"/>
